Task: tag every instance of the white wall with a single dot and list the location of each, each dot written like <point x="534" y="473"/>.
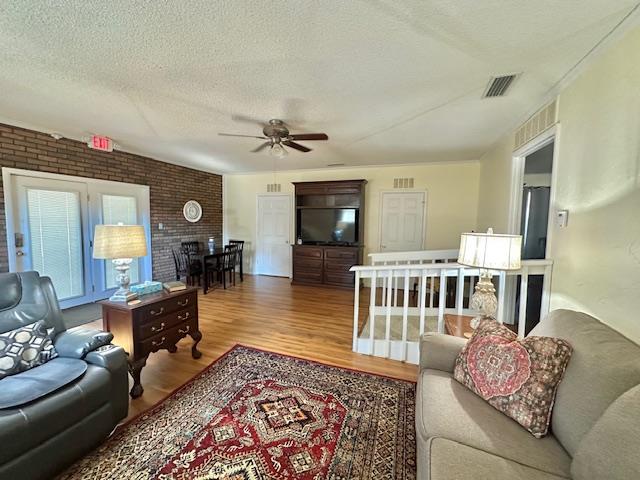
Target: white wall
<point x="597" y="257"/>
<point x="452" y="199"/>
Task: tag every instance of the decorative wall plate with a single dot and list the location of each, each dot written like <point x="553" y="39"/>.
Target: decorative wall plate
<point x="192" y="211"/>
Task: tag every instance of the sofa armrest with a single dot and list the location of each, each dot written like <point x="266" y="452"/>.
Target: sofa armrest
<point x="77" y="343"/>
<point x="109" y="356"/>
<point x="439" y="352"/>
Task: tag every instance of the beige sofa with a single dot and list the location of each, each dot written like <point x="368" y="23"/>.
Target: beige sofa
<point x="595" y="423"/>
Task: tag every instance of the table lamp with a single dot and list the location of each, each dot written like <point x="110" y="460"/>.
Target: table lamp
<point x="488" y="251"/>
<point x="120" y="244"/>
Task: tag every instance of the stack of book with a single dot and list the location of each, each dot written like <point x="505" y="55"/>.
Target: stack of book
<point x="174" y="286"/>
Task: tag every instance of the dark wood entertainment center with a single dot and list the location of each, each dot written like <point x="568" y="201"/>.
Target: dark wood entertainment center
<point x="328" y="263"/>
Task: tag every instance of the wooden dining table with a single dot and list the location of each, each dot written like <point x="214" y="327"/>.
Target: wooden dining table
<point x="209" y="259"/>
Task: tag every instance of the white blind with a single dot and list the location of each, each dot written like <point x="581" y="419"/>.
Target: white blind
<point x="119" y="209"/>
<point x="55" y="229"/>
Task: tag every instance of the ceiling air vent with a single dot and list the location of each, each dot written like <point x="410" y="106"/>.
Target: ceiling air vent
<point x="498" y="86"/>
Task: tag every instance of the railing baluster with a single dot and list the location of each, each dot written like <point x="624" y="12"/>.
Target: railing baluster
<point x="472" y="285"/>
<point x="423" y="291"/>
<point x="460" y="290"/>
<point x="372" y="312"/>
<point x="522" y="316"/>
<point x="442" y="299"/>
<point x="356" y="312"/>
<point x="405" y="315"/>
<point x="387" y="327"/>
<point x="384" y="289"/>
<point x="501" y="296"/>
<point x="395" y="291"/>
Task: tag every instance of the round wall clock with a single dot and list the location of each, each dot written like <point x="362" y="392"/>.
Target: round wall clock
<point x="192" y="211"/>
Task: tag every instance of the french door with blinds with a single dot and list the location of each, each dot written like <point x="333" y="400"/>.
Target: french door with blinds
<point x="50" y="225"/>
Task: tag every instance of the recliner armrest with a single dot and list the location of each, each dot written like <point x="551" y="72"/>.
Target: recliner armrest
<point x="78" y="343"/>
<point x="439" y="351"/>
<point x="109" y="356"/>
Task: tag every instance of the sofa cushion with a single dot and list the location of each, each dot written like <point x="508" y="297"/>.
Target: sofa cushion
<point x="32" y="424"/>
<point x="450" y="460"/>
<point x="445" y="408"/>
<point x="518" y="377"/>
<point x="610" y="449"/>
<point x="27" y="386"/>
<point x="603" y="366"/>
<point x="24" y="348"/>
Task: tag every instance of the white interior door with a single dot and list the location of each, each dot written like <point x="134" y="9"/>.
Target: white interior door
<point x="273" y="256"/>
<point x="402" y="221"/>
<point x="51" y="226"/>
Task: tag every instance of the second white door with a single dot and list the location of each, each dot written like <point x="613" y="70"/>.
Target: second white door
<point x="273" y="256"/>
<point x="402" y="218"/>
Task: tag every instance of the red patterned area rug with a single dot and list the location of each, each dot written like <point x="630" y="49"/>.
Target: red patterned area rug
<point x="256" y="415"/>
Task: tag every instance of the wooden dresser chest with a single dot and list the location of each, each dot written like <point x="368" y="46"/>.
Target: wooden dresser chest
<point x="327" y="265"/>
<point x="158" y="322"/>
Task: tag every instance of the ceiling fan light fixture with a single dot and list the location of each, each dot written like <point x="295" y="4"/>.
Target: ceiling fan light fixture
<point x="277" y="150"/>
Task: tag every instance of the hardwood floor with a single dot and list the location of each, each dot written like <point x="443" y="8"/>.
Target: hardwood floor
<point x="268" y="313"/>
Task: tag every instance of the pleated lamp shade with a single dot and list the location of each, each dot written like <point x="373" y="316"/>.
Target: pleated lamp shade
<point x="119" y="241"/>
<point x="490" y="251"/>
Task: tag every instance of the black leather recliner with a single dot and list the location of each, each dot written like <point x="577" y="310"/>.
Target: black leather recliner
<point x="53" y="414"/>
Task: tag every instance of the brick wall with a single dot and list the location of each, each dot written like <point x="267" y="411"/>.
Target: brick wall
<point x="170" y="187"/>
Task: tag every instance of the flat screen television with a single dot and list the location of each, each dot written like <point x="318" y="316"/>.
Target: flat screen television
<point x="329" y="225"/>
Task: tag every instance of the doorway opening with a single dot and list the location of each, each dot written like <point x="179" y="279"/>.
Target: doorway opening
<point x="533" y="225"/>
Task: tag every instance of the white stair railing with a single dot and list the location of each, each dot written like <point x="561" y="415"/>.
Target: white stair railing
<point x="412" y="298"/>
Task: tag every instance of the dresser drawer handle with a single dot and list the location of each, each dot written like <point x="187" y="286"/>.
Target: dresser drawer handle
<point x="183" y="304"/>
<point x="159" y="312"/>
<point x="157" y="344"/>
<point x="186" y="330"/>
<point x="183" y="317"/>
<point x="159" y="328"/>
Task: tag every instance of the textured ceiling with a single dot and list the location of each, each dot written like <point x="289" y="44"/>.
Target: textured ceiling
<point x="389" y="81"/>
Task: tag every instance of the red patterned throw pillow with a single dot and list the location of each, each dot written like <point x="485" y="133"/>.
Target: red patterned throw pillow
<point x="517" y="377"/>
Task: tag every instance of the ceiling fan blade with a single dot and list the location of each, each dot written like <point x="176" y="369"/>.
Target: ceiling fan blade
<point x="261" y="147"/>
<point x="246" y="119"/>
<point x="309" y="136"/>
<point x="236" y="135"/>
<point x="297" y="146"/>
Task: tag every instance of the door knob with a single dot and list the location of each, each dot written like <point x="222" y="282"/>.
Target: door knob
<point x="20" y="253"/>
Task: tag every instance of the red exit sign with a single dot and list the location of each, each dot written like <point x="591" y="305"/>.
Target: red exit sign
<point x="99" y="142"/>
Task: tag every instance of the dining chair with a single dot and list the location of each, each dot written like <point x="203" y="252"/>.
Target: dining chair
<point x="230" y="261"/>
<point x="240" y="246"/>
<point x="191" y="247"/>
<point x="186" y="266"/>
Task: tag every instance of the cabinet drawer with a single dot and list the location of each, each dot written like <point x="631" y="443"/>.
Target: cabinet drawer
<point x="310" y="252"/>
<point x="168" y="338"/>
<point x="307" y="263"/>
<point x="165" y="322"/>
<point x="341" y="279"/>
<point x="153" y="311"/>
<point x="342" y="254"/>
<point x="337" y="267"/>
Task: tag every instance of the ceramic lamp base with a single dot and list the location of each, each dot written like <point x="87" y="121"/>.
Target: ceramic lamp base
<point x="123" y="296"/>
<point x="484" y="299"/>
